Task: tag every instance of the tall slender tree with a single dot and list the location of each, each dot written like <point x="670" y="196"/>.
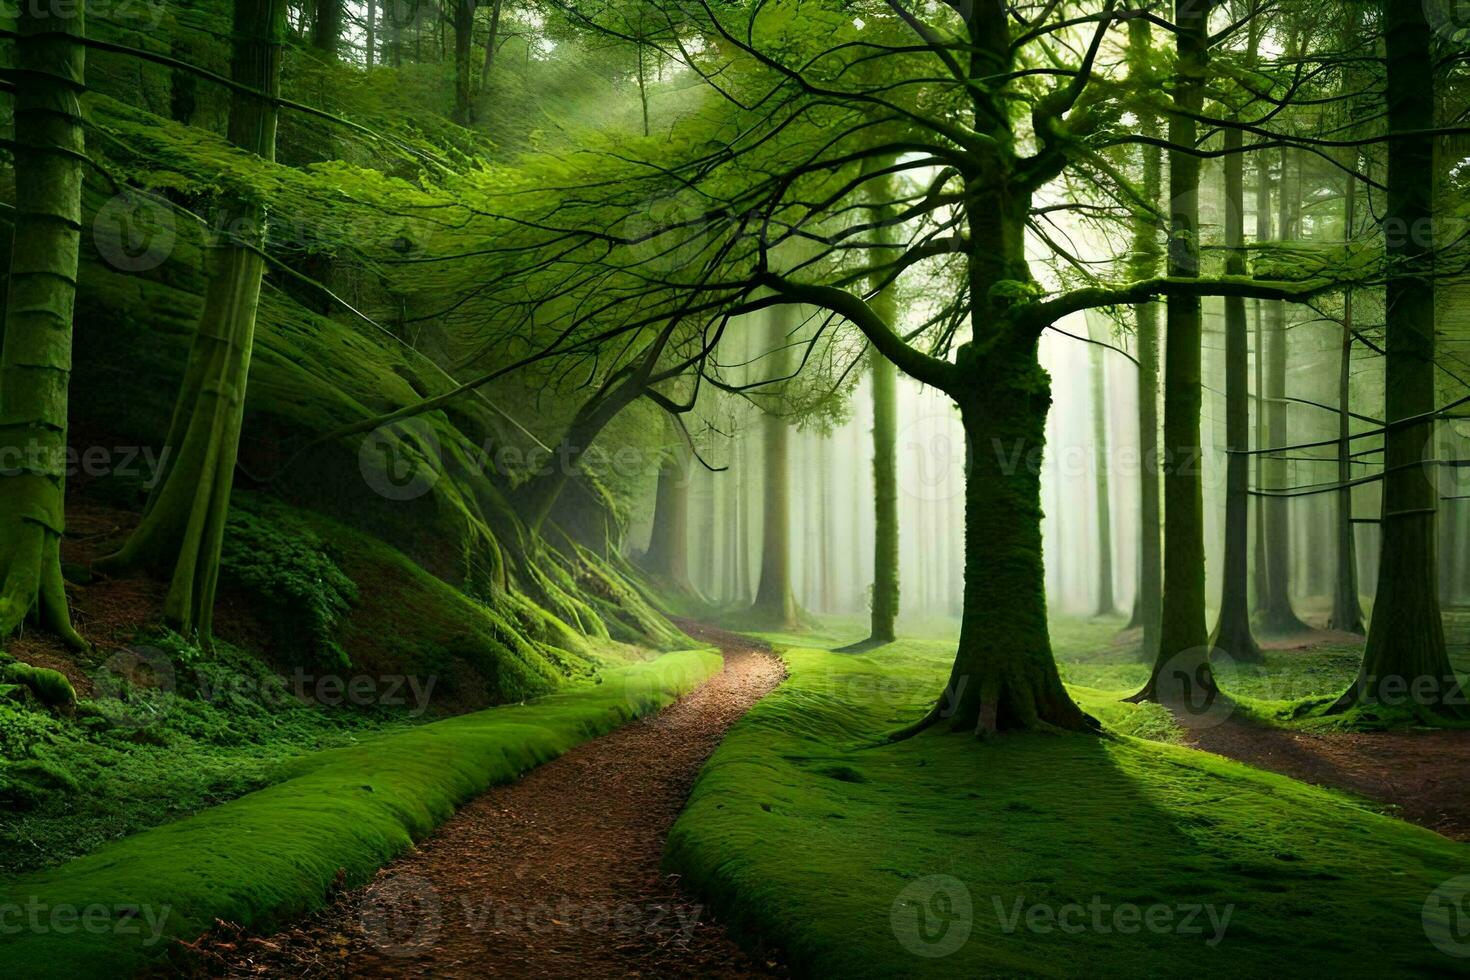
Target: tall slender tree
<point x="775" y="599"/>
<point x="183" y="525"/>
<point x="1181" y="669"/>
<point x="1347" y="609"/>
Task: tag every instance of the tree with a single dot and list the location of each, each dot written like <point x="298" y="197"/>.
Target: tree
<point x="1347" y="609"/>
<point x="326" y="27"/>
<point x="1145" y="254"/>
<point x="35" y="366"/>
<point x="668" y="548"/>
<point x="775" y="600"/>
<point x="1406" y="655"/>
<point x="1232" y="634"/>
<point x="183" y="525"/>
<point x="1106" y="604"/>
<point x="1182" y="668"/>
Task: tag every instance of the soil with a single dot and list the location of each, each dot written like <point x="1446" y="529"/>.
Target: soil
<point x="556" y="875"/>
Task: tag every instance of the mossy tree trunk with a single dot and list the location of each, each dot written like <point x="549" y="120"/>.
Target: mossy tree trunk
<point x="183" y="527"/>
<point x="35" y="368"/>
<point x="1233" y="629"/>
<point x="1181" y="669"/>
<point x="884" y="614"/>
<point x="1004" y="676"/>
<point x="1405" y="660"/>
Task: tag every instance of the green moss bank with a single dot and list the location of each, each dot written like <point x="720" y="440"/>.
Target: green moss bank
<point x="1041" y="855"/>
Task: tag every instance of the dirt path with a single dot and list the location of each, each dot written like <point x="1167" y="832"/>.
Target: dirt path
<point x="1423" y="775"/>
<point x="557" y="875"/>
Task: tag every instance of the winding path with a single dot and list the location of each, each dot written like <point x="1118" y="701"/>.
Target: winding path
<point x="556" y="875"/>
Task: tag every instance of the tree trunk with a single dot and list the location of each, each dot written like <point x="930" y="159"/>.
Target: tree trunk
<point x="1276" y="615"/>
<point x="1347" y="609"/>
<point x="464" y="39"/>
<point x="1405" y="661"/>
<point x="884" y="614"/>
<point x="668" y="549"/>
<point x="1233" y="630"/>
<point x="326" y="30"/>
<point x="183" y="527"/>
<point x="775" y="602"/>
<point x="1181" y="671"/>
<point x="492" y="41"/>
<point x="1004" y="676"/>
<point x="371" y="47"/>
<point x="1107" y="604"/>
<point x="1147" y="603"/>
<point x="35" y="366"/>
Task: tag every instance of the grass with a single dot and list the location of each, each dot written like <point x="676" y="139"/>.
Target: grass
<point x="944" y="856"/>
<point x="276" y="853"/>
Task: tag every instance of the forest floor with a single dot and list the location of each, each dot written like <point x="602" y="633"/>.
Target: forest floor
<point x="1420" y="774"/>
<point x="556" y="875"/>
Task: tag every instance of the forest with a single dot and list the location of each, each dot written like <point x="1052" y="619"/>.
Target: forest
<point x="734" y="488"/>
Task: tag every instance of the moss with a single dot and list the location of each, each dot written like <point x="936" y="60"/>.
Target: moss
<point x="835" y="869"/>
<point x="50" y="687"/>
<point x="275" y="854"/>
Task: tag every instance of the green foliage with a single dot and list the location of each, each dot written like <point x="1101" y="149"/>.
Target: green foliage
<point x="280" y="849"/>
<point x="806" y="831"/>
<point x="279" y="562"/>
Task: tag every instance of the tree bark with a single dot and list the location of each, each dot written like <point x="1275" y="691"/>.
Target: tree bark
<point x="184" y="524"/>
<point x="326" y="28"/>
<point x="1181" y="671"/>
<point x="492" y="42"/>
<point x="35" y="366"/>
<point x="464" y="39"/>
<point x="1233" y="629"/>
<point x="1405" y="661"/>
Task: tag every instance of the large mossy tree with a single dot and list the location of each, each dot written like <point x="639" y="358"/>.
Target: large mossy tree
<point x="35" y="368"/>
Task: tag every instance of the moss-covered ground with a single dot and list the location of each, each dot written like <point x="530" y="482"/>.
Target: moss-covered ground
<point x="335" y="817"/>
<point x="1044" y="855"/>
